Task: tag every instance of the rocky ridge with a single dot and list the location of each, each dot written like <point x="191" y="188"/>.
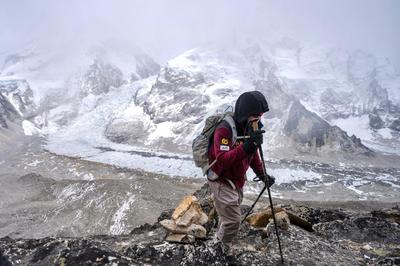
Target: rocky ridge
<point x="16" y="101"/>
<point x="339" y="237"/>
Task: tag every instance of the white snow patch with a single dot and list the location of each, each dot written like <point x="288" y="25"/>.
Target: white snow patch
<point x="385" y="177"/>
<point x="358" y="126"/>
<point x="289" y="175"/>
<point x="163" y="130"/>
<point x="359" y="192"/>
<point x="118" y="219"/>
<point x="34" y="163"/>
<point x="29" y="128"/>
<point x="74" y="192"/>
<point x="10" y="98"/>
<point x="88" y="176"/>
<point x="385" y="133"/>
<point x="167" y="166"/>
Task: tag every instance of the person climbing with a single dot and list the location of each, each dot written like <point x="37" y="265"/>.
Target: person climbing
<point x="232" y="159"/>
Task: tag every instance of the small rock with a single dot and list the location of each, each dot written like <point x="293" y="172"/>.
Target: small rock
<point x="180" y="238"/>
<point x="203" y="219"/>
<point x="169" y="225"/>
<point x="183" y="206"/>
<point x="282" y="220"/>
<point x="192" y="215"/>
<point x="197" y="231"/>
<point x="261" y="219"/>
<point x="367" y="247"/>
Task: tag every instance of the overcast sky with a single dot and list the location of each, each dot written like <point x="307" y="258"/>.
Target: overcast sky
<point x="166" y="28"/>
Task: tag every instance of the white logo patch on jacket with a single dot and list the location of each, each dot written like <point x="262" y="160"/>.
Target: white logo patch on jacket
<point x="224" y="148"/>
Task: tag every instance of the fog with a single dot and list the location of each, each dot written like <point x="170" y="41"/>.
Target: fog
<point x="166" y="28"/>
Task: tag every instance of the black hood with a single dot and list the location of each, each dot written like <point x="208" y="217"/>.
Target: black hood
<point x="249" y="103"/>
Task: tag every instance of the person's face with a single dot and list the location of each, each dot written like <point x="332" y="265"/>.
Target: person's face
<point x="254" y="118"/>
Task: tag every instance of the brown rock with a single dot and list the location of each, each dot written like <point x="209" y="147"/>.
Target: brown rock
<point x="203" y="219"/>
<point x="183" y="206"/>
<point x="282" y="220"/>
<point x="191" y="215"/>
<point x="197" y="231"/>
<point x="169" y="225"/>
<point x="180" y="238"/>
<point x="261" y="219"/>
<point x="296" y="220"/>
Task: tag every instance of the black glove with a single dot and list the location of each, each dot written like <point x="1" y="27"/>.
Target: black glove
<point x="266" y="179"/>
<point x="256" y="139"/>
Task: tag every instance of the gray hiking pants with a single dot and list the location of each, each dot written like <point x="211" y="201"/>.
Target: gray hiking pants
<point x="227" y="204"/>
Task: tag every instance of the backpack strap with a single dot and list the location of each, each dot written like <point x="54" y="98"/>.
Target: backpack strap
<point x="211" y="175"/>
<point x="232" y="124"/>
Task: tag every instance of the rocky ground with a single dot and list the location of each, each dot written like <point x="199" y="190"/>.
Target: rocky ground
<point x="43" y="194"/>
<point x="61" y="210"/>
<point x="339" y="237"/>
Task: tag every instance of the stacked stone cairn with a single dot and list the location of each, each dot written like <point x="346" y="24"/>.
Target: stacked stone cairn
<point x="187" y="222"/>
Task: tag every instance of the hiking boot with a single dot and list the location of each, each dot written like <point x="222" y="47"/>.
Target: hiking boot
<point x="226" y="251"/>
<point x="223" y="247"/>
<point x="231" y="260"/>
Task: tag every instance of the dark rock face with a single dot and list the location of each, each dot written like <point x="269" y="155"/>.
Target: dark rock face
<point x="311" y="132"/>
<point x="308" y="131"/>
<point x="389" y="112"/>
<point x="101" y="77"/>
<point x="3" y="122"/>
<point x="175" y="89"/>
<point x="361" y="229"/>
<point x="395" y="125"/>
<point x="299" y="247"/>
<point x="16" y="101"/>
<point x="375" y="120"/>
<point x="304" y="126"/>
<point x="315" y="215"/>
<point x="4" y="260"/>
<point x="7" y="111"/>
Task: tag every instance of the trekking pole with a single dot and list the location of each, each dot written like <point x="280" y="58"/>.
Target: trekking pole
<point x="270" y="202"/>
<point x="252" y="206"/>
<point x="255" y="127"/>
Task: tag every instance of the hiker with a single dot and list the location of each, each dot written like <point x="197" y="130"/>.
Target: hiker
<point x="233" y="161"/>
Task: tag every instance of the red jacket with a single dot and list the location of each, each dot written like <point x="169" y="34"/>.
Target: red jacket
<point x="232" y="161"/>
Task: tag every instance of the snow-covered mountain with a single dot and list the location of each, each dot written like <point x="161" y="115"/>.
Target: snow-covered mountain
<point x="45" y="86"/>
<point x="322" y="100"/>
<point x="353" y="90"/>
<point x="201" y="82"/>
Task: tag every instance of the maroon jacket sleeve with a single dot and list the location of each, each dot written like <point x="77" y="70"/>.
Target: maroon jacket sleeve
<point x="256" y="165"/>
<point x="226" y="155"/>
